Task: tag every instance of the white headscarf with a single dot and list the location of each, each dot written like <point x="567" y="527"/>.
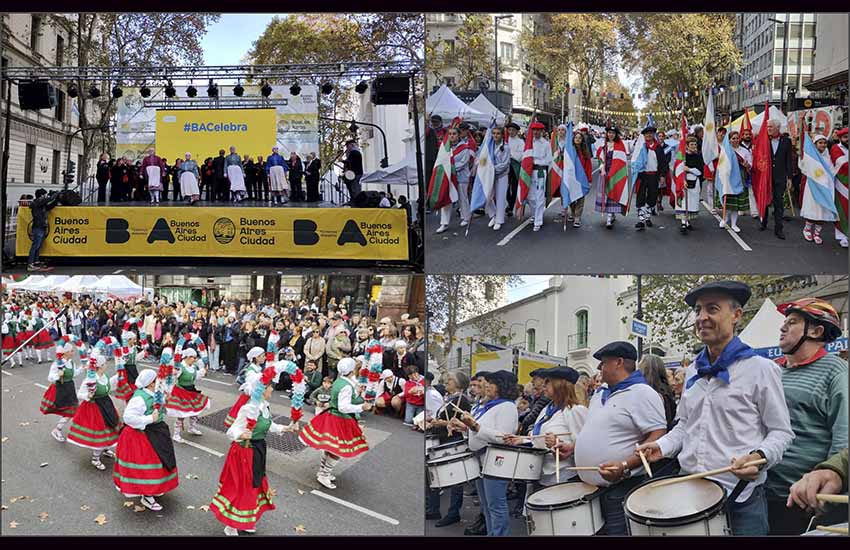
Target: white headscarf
<point x="255" y="352"/>
<point x="145" y="378"/>
<point x="346" y="366"/>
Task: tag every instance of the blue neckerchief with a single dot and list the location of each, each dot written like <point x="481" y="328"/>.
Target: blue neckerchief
<point x="480" y="411"/>
<point x="476" y="406"/>
<point x="634" y="378"/>
<point x="551" y="409"/>
<point x="734" y="351"/>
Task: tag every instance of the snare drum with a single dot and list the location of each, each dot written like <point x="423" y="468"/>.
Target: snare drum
<point x="693" y="507"/>
<point x="452" y="448"/>
<point x="571" y="508"/>
<point x="453" y="470"/>
<point x="511" y="462"/>
<point x="431" y="441"/>
<point x="816" y="532"/>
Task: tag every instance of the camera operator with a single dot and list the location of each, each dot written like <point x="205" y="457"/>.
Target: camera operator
<point x="39" y="206"/>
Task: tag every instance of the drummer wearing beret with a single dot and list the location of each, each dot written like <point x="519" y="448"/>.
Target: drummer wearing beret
<point x="490" y="422"/>
<point x="621" y="415"/>
<point x="732" y="409"/>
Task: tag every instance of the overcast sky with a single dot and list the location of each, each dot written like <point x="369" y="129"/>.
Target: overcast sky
<point x="228" y="41"/>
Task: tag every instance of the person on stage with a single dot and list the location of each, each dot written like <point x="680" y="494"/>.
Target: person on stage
<point x="614" y="147"/>
<point x="189" y="175"/>
<point x="687" y="207"/>
<point x="243" y="495"/>
<point x="276" y="168"/>
<point x="336" y="432"/>
<point x="262" y="180"/>
<point x="839" y="155"/>
<point x="296" y="173"/>
<point x="502" y="163"/>
<point x="222" y="185"/>
<point x="96" y="424"/>
<point x="542" y="159"/>
<point x="186" y="401"/>
<point x="145" y="464"/>
<point x="61" y="397"/>
<point x="312" y="176"/>
<point x="153" y="170"/>
<point x="730" y="390"/>
<point x="235" y="175"/>
<point x="249" y="170"/>
<point x="353" y="162"/>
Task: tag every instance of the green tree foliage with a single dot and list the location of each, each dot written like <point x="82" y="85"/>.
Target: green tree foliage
<point x="470" y="54"/>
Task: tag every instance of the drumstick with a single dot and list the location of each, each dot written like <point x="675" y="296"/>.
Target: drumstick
<point x="458" y="409"/>
<point x="645" y="463"/>
<point x="708" y="473"/>
<point x="589" y="468"/>
<point x="557" y="462"/>
<point x="838" y="499"/>
<point x="544" y="435"/>
<point x="837" y="530"/>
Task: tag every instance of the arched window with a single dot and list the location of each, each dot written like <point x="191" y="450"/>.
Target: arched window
<point x="530" y="339"/>
<point x="581" y="329"/>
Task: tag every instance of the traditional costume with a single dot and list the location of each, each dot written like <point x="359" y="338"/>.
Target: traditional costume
<point x="26" y="331"/>
<point x="650" y="171"/>
<point x="243" y="493"/>
<point x="145" y="464"/>
<point x="276" y="168"/>
<point x="189" y="177"/>
<point x="96" y="423"/>
<point x="839" y="154"/>
<point x="61" y="397"/>
<point x="185" y="400"/>
<point x="42" y="341"/>
<point x="495" y="207"/>
<point x="810" y="210"/>
<point x="614" y="158"/>
<point x="153" y="169"/>
<point x="233" y="165"/>
<point x="126" y="382"/>
<point x="255" y="367"/>
<point x="336" y="432"/>
<point x="542" y="152"/>
<point x="10" y="332"/>
<point x="687" y="208"/>
<point x="463" y="156"/>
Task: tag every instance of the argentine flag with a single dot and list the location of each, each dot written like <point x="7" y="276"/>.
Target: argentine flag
<point x="820" y="189"/>
<point x="485" y="174"/>
<point x="728" y="180"/>
<point x="574" y="183"/>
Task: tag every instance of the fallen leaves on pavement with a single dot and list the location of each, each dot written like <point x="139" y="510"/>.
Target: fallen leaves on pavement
<point x="43" y="516"/>
<point x="100" y="519"/>
<point x="204" y="508"/>
<point x="137" y="508"/>
<point x="85" y="507"/>
<point x="190" y="507"/>
<point x="43" y="464"/>
<point x="24" y="424"/>
<point x="13" y="525"/>
<point x="5" y="439"/>
<point x="128" y="503"/>
<point x="300" y="529"/>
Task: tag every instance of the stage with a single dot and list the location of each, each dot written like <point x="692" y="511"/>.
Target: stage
<point x="202" y="203"/>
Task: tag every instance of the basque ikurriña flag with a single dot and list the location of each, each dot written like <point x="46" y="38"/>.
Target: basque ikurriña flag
<point x="574" y="184"/>
<point x="679" y="168"/>
<point x="442" y="188"/>
<point x="819" y="177"/>
<point x="526" y="167"/>
<point x="839" y="159"/>
<point x="728" y="180"/>
<point x="485" y="173"/>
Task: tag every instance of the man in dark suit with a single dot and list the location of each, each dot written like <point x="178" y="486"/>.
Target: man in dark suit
<point x="354" y="163"/>
<point x="311" y="172"/>
<point x="782" y="169"/>
<point x="222" y="185"/>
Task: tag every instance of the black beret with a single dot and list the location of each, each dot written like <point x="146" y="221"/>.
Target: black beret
<point x="464" y="126"/>
<point x="734" y="289"/>
<point x="563" y="373"/>
<point x="617" y="349"/>
<point x="537" y="373"/>
<point x="436" y="118"/>
<point x="649" y="129"/>
<point x="512" y="125"/>
<point x="500" y="376"/>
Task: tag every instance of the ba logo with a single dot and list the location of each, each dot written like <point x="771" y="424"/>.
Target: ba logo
<point x="117" y="231"/>
<point x="306" y="234"/>
<point x="224" y="230"/>
<point x="500" y="460"/>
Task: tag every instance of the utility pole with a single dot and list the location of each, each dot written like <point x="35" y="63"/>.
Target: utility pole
<point x="639" y="314"/>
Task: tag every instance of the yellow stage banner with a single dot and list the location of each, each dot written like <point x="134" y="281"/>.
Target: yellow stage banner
<point x="203" y="132"/>
<point x="285" y="233"/>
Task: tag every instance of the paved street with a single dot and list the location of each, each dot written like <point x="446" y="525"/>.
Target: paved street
<point x="379" y="493"/>
<point x="593" y="249"/>
<point x="468" y="514"/>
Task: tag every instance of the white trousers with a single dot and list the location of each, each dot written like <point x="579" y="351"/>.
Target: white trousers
<point x="499" y="201"/>
<point x="537" y="196"/>
<point x="463" y="202"/>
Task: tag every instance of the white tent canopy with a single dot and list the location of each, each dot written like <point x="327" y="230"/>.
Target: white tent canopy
<point x="48" y="283"/>
<point x="445" y="103"/>
<point x="400" y="173"/>
<point x="763" y="329"/>
<point x="757" y="119"/>
<point x="481" y="103"/>
<point x="26" y="283"/>
<point x="118" y="286"/>
<point x="77" y="284"/>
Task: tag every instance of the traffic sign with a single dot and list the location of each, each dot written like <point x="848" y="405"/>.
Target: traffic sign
<point x="639" y="328"/>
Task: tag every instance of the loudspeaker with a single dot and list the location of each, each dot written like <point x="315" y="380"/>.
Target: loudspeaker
<point x="69" y="198"/>
<point x="390" y="90"/>
<point x="36" y="94"/>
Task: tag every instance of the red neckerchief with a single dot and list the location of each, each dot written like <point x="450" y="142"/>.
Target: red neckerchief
<point x="652" y="145"/>
<point x="783" y="361"/>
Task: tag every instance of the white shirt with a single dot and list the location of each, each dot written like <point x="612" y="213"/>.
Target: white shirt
<point x="241" y="423"/>
<point x="517" y="146"/>
<point x="745" y="154"/>
<point x="651" y="159"/>
<point x="542" y="152"/>
<point x="568" y="420"/>
<point x="343" y="400"/>
<point x="774" y="143"/>
<point x="610" y="432"/>
<point x="134" y="413"/>
<point x="462" y="162"/>
<point x="433" y="402"/>
<point x="501" y="419"/>
<point x="83" y="391"/>
<point x="56" y="372"/>
<point x="718" y="421"/>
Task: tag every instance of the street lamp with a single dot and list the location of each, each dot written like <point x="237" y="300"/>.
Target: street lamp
<point x="496" y="19"/>
<point x="784" y="59"/>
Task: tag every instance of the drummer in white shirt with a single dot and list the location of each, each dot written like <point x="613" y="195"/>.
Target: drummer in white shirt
<point x="732" y="409"/>
<point x="490" y="422"/>
<point x="622" y="415"/>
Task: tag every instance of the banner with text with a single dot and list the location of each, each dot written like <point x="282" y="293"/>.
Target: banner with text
<point x="284" y="233"/>
<point x="203" y="132"/>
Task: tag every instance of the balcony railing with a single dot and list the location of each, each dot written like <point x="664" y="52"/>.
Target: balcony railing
<point x="578" y="341"/>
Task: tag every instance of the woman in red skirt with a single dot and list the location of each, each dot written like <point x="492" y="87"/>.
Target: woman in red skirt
<point x="256" y="358"/>
<point x="61" y="397"/>
<point x="43" y="341"/>
<point x="336" y="432"/>
<point x="145" y="464"/>
<point x="10" y="332"/>
<point x="185" y="400"/>
<point x="243" y="493"/>
<point x="96" y="424"/>
<point x="25" y="331"/>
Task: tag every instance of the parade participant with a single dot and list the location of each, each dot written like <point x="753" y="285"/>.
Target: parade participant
<point x="189" y="175"/>
<point x="389" y="393"/>
<point x="336" y="432"/>
<point x="256" y="358"/>
<point x="542" y="151"/>
<point x="96" y="423"/>
<point x="815" y="386"/>
<point x="145" y="465"/>
<point x="687" y="208"/>
<point x="10" y="333"/>
<point x="828" y="477"/>
<point x="276" y="168"/>
<point x="563" y="415"/>
<point x="243" y="494"/>
<point x="456" y="384"/>
<point x="781" y="171"/>
<point x="839" y="153"/>
<point x="25" y="332"/>
<point x="502" y="165"/>
<point x="488" y="424"/>
<point x="61" y="397"/>
<point x="235" y="175"/>
<point x="463" y="156"/>
<point x="614" y="169"/>
<point x="516" y="145"/>
<point x="222" y="185"/>
<point x="733" y="391"/>
<point x="584" y="157"/>
<point x="153" y="170"/>
<point x="185" y="400"/>
<point x="652" y="173"/>
<point x="810" y="210"/>
<point x="740" y="202"/>
<point x="625" y="413"/>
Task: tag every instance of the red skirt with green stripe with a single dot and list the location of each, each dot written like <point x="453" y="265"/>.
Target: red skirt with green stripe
<point x="334" y="434"/>
<point x="88" y="428"/>
<point x="238" y="503"/>
<point x="138" y="470"/>
<point x="234" y="410"/>
<point x="124" y="390"/>
<point x="8" y="344"/>
<point x="43" y="340"/>
<point x="183" y="403"/>
<point x="66" y="406"/>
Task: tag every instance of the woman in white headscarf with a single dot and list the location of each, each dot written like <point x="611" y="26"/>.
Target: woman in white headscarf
<point x="189" y="176"/>
<point x="186" y="401"/>
<point x="96" y="423"/>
